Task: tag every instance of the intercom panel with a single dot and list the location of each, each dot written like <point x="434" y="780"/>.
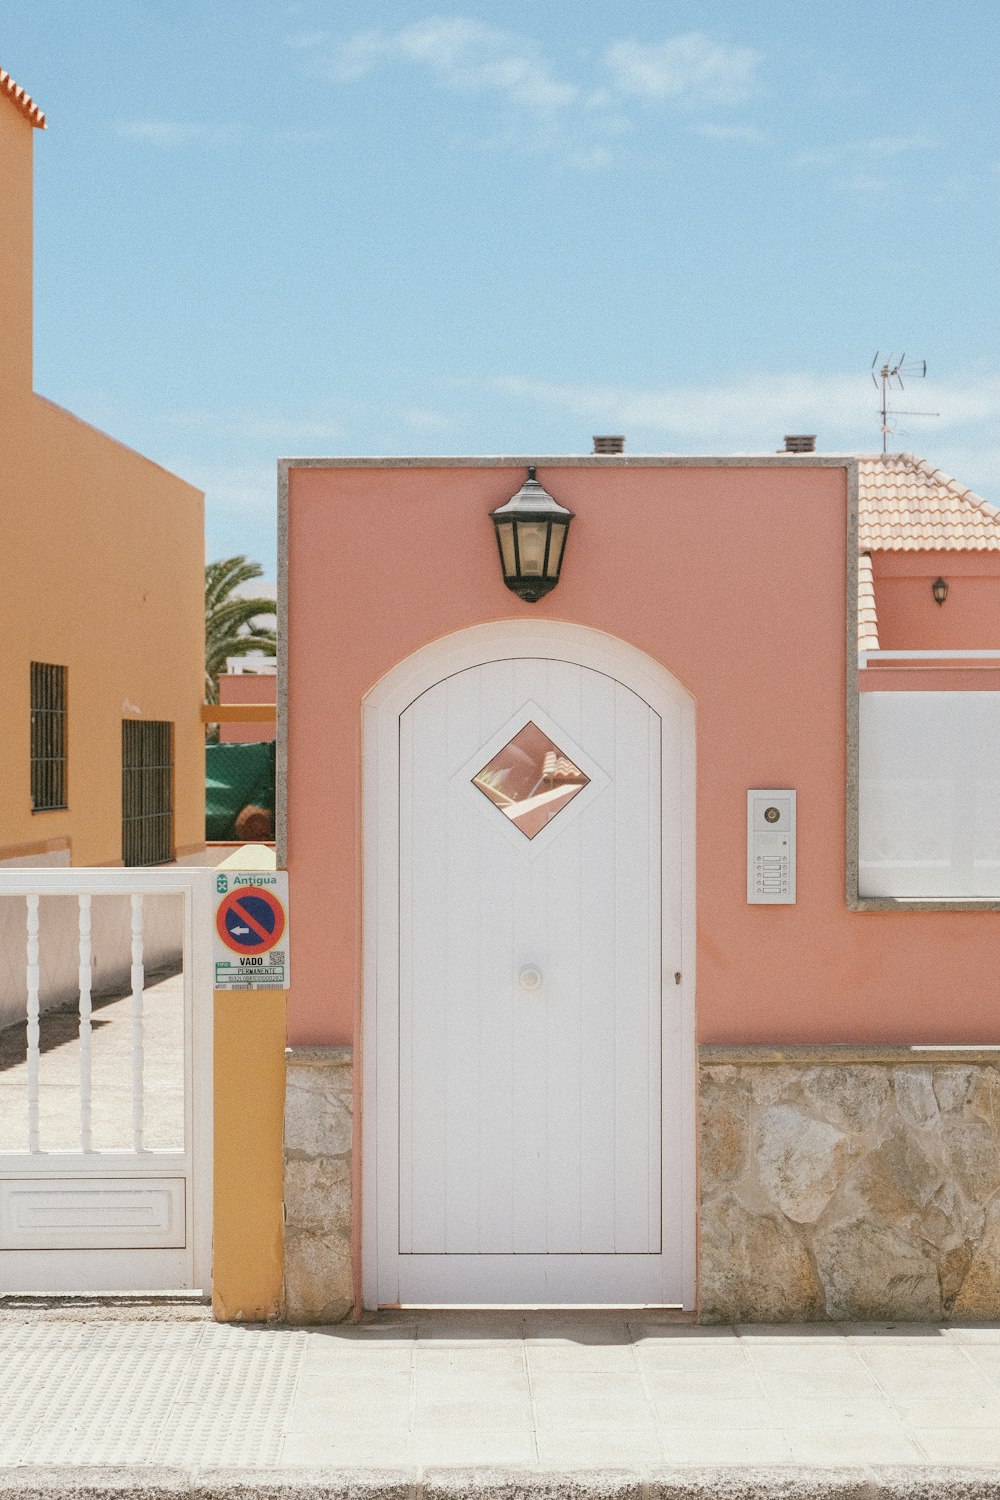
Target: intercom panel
<point x="771" y="848"/>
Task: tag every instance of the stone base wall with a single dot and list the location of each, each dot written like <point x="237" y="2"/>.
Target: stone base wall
<point x="318" y="1139"/>
<point x="849" y="1183"/>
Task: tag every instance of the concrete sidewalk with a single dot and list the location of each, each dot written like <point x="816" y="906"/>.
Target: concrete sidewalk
<point x="549" y="1403"/>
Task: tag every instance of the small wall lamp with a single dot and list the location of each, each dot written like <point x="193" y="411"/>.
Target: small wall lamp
<point x="939" y="588"/>
<point x="531" y="533"/>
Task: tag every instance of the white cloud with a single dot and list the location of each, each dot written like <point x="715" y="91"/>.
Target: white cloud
<point x="979" y="469"/>
<point x="896" y="145"/>
<point x="593" y="158"/>
<point x="753" y="414"/>
<point x="462" y="54"/>
<point x="241" y="507"/>
<point x="237" y="488"/>
<point x="872" y="148"/>
<point x="174" y="132"/>
<point x="688" y="69"/>
<point x="536" y="107"/>
<point x="310" y="425"/>
<point x="425" y="419"/>
<point x="330" y="425"/>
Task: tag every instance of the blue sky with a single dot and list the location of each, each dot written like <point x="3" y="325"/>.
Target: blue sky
<point x="271" y="229"/>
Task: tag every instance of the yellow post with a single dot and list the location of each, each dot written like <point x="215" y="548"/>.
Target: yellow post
<point x="248" y="1230"/>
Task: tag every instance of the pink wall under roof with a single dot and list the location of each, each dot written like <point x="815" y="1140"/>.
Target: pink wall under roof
<point x="247" y="687"/>
<point x="733" y="579"/>
<point x="910" y="620"/>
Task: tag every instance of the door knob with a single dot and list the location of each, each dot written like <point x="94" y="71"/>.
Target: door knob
<point x="530" y="977"/>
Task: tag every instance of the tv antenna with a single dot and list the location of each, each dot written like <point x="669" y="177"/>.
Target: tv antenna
<point x="893" y="369"/>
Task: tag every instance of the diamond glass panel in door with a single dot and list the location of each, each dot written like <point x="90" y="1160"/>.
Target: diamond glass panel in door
<point x="530" y="780"/>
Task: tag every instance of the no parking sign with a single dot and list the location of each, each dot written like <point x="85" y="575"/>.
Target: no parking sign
<point x="251" y="930"/>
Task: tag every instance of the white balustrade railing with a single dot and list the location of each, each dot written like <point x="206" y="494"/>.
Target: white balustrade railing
<point x="34" y="977"/>
<point x="137" y="987"/>
<point x="86" y="1051"/>
<point x="134" y="888"/>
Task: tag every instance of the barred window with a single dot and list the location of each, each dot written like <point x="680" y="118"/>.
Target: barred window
<point x="48" y="736"/>
<point x="147" y="792"/>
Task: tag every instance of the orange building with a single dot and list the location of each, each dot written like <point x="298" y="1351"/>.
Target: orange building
<point x="103" y="618"/>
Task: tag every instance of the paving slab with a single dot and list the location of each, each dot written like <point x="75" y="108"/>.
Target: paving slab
<point x="103" y="1401"/>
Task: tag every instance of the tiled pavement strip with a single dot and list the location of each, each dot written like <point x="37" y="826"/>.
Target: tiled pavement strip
<point x="543" y="1394"/>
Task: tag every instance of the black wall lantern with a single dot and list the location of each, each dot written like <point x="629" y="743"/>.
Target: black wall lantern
<point x="939" y="588"/>
<point x="531" y="534"/>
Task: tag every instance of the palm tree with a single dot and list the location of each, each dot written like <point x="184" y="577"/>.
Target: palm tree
<point x="232" y="625"/>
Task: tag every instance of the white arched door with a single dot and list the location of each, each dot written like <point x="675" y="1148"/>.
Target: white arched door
<point x="530" y="1047"/>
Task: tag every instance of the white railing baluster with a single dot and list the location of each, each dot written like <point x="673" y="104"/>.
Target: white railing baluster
<point x="137" y="984"/>
<point x="86" y="981"/>
<point x="33" y="1031"/>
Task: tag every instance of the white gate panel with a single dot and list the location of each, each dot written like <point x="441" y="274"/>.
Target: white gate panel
<point x="75" y="1215"/>
<point x="92" y="1213"/>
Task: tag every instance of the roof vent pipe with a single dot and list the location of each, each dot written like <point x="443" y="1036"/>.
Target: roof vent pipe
<point x="800" y="442"/>
<point x="609" y="445"/>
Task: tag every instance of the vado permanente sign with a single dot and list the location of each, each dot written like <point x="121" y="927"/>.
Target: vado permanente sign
<point x="251" y="930"/>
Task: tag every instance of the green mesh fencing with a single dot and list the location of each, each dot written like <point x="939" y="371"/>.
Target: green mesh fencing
<point x="237" y="776"/>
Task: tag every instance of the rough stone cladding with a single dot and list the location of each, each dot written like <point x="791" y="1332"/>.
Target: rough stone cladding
<point x="318" y="1134"/>
<point x="850" y="1191"/>
<point x="906" y="505"/>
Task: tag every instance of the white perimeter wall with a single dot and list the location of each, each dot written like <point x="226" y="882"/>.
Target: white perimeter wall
<point x="929" y="809"/>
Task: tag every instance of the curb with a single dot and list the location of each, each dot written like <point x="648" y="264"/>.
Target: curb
<point x="773" y="1482"/>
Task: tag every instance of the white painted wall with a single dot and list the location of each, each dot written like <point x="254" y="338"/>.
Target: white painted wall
<point x="56" y="859"/>
<point x="59" y="958"/>
<point x="929" y="810"/>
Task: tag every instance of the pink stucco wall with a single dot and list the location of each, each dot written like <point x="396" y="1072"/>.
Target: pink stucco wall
<point x="247" y="687"/>
<point x="910" y="620"/>
<point x="733" y="579"/>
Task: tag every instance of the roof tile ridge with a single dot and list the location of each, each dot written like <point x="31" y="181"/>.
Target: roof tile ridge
<point x="890" y="461"/>
<point x="959" y="490"/>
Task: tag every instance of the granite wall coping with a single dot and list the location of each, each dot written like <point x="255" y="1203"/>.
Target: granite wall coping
<point x="847" y="1053"/>
<point x="319" y="1057"/>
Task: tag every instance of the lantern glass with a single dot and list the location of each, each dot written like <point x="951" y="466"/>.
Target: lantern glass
<point x="531" y="536"/>
<point x="559" y="529"/>
<point x="505" y="536"/>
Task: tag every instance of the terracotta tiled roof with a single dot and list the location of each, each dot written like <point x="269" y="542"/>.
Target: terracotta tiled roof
<point x="867" y="616"/>
<point x="905" y="505"/>
<point x="21" y="100"/>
